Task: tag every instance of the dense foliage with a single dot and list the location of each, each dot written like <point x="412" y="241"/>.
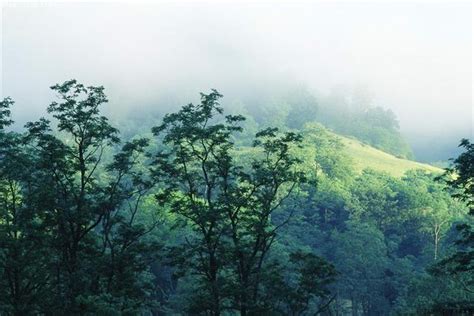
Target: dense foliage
<point x="351" y="115"/>
<point x="208" y="214"/>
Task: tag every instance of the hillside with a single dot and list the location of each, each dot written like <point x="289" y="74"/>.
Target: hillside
<point x="365" y="156"/>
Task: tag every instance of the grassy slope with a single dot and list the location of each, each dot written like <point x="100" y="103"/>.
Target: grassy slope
<point x="365" y="156"/>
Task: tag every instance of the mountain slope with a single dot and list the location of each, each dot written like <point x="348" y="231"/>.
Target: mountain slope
<point x="365" y="156"/>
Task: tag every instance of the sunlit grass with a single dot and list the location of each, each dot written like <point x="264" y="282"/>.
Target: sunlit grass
<point x="365" y="156"/>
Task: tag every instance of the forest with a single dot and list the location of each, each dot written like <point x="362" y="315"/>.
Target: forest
<point x="213" y="210"/>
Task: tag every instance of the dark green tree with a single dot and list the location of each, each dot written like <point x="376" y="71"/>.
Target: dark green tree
<point x="229" y="202"/>
<point x="73" y="215"/>
<point x="24" y="241"/>
<point x="460" y="177"/>
<point x="313" y="277"/>
<point x="197" y="171"/>
<point x="360" y="255"/>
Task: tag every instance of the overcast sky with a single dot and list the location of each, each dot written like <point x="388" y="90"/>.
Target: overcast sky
<point x="415" y="58"/>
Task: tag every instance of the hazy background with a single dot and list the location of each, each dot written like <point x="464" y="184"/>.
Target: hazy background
<point x="414" y="58"/>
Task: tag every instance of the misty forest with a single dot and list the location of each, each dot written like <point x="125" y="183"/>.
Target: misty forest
<point x="277" y="200"/>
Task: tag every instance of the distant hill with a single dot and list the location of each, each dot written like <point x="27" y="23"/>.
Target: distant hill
<point x="366" y="156"/>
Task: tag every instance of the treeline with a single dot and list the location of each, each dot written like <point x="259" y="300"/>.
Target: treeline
<point x="346" y="114"/>
<point x="352" y="114"/>
<point x="202" y="215"/>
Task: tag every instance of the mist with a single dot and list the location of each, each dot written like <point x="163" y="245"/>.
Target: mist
<point x="413" y="58"/>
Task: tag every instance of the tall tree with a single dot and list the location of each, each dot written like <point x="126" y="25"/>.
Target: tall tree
<point x="195" y="170"/>
<point x="229" y="204"/>
<point x="24" y="241"/>
<point x="63" y="200"/>
<point x="460" y="176"/>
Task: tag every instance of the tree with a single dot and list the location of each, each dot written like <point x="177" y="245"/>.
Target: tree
<point x="195" y="171"/>
<point x="228" y="204"/>
<point x="360" y="256"/>
<point x="80" y="212"/>
<point x="428" y="202"/>
<point x="314" y="275"/>
<point x="460" y="177"/>
<point x="447" y="288"/>
<point x="24" y="255"/>
<point x="374" y="199"/>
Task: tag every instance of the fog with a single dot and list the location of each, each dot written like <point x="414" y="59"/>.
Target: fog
<point x="414" y="58"/>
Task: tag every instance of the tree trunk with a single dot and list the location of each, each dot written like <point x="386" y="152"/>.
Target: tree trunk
<point x="437" y="230"/>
